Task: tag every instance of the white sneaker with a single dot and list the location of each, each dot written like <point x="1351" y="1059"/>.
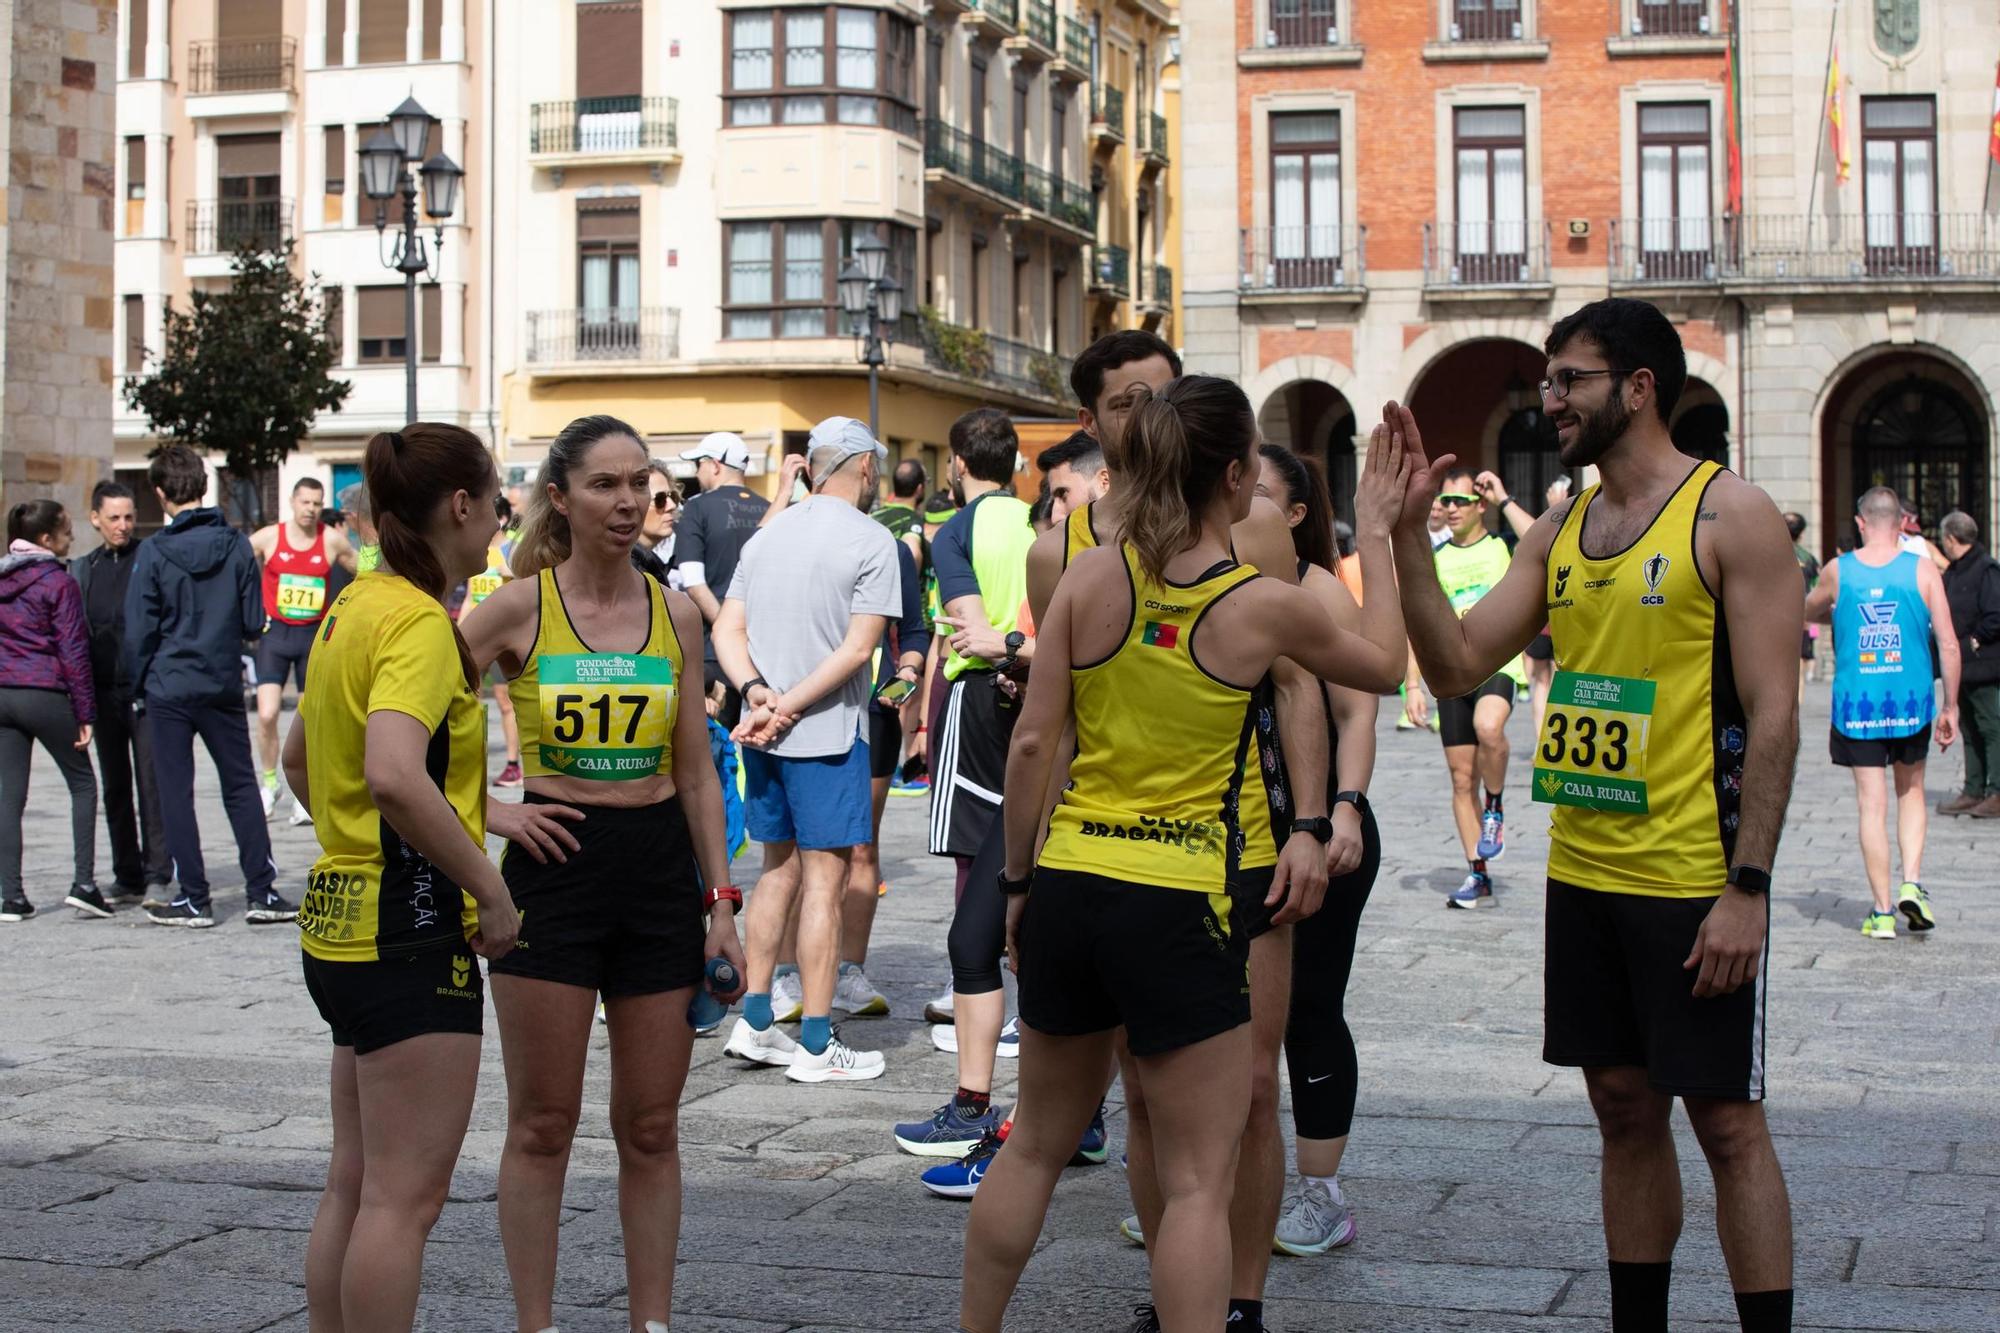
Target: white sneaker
<point x="1132" y="1232"/>
<point x="788" y="998"/>
<point x="600" y="1013"/>
<point x="1312" y="1220"/>
<point x="838" y="1063"/>
<point x="944" y="1036"/>
<point x="769" y="1047"/>
<point x="300" y="815"/>
<point x="853" y="994"/>
<point x="268" y="793"/>
<point x="942" y="1009"/>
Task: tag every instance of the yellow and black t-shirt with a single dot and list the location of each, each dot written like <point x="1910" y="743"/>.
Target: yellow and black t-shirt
<point x="386" y="646"/>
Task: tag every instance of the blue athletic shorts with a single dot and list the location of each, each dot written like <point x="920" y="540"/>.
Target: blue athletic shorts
<point x="820" y="803"/>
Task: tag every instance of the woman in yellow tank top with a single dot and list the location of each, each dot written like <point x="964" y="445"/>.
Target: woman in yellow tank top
<point x="1157" y="642"/>
<point x="618" y="769"/>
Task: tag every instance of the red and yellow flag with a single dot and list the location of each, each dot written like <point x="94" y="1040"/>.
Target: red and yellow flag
<point x="1993" y="141"/>
<point x="1835" y="124"/>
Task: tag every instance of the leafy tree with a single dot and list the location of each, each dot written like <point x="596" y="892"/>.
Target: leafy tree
<point x="245" y="371"/>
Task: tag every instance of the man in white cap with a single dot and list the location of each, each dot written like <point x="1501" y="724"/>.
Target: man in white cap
<point x="709" y="540"/>
<point x="804" y="613"/>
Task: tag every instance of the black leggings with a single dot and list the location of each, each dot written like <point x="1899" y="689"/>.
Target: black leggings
<point x="978" y="939"/>
<point x="28" y="716"/>
<point x="1319" y="1049"/>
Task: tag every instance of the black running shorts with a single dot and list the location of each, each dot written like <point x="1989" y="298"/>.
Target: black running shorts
<point x="968" y="755"/>
<point x="282" y="652"/>
<point x="1096" y="952"/>
<point x="622" y="916"/>
<point x="1248" y="889"/>
<point x="376" y="1004"/>
<point x="1615" y="994"/>
<point x="885" y="742"/>
<point x="1455" y="715"/>
<point x="1848" y="752"/>
<point x="1542" y="648"/>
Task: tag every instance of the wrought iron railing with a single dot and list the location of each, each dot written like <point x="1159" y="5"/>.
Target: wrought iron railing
<point x="242" y="65"/>
<point x="638" y="334"/>
<point x="1152" y="127"/>
<point x="1107" y="107"/>
<point x="1156" y="285"/>
<point x="975" y="354"/>
<point x="1075" y="43"/>
<point x="1038" y="23"/>
<point x="1302" y="23"/>
<point x="1487" y="21"/>
<point x="1325" y="258"/>
<point x="1066" y="201"/>
<point x="1673" y="18"/>
<point x="604" y="125"/>
<point x="224" y="226"/>
<point x="1844" y="248"/>
<point x="1486" y="254"/>
<point x="948" y="148"/>
<point x="1005" y="12"/>
<point x="1111" y="269"/>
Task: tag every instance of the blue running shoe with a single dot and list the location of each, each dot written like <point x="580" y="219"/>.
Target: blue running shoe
<point x="1477" y="891"/>
<point x="1492" y="836"/>
<point x="1094" y="1146"/>
<point x="960" y="1179"/>
<point x="947" y="1133"/>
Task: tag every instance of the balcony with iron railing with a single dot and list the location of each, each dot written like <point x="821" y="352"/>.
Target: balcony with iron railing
<point x="975" y="354"/>
<point x="1076" y="45"/>
<point x="1302" y="23"/>
<point x="1067" y="202"/>
<point x="1487" y="21"/>
<point x="241" y="65"/>
<point x="1038" y="28"/>
<point x="622" y="335"/>
<point x="1283" y="261"/>
<point x="1107" y="113"/>
<point x="1883" y="249"/>
<point x="1156" y="286"/>
<point x="224" y="226"/>
<point x="1152" y="129"/>
<point x="993" y="18"/>
<point x="953" y="152"/>
<point x="1673" y="18"/>
<point x="604" y="130"/>
<point x="1492" y="258"/>
<point x="1111" y="271"/>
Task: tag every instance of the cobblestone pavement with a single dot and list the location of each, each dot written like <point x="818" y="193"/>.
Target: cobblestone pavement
<point x="163" y="1128"/>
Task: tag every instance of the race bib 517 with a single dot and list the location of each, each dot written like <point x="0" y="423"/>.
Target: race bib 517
<point x="604" y="715"/>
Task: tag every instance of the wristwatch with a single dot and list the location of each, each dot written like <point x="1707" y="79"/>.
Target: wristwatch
<point x="1014" y="640"/>
<point x="1014" y="887"/>
<point x="1750" y="879"/>
<point x="721" y="893"/>
<point x="752" y="684"/>
<point x="1357" y="799"/>
<point x="1321" y="829"/>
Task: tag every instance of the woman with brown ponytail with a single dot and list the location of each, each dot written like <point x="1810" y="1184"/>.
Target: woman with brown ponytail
<point x="389" y="755"/>
<point x="1127" y="919"/>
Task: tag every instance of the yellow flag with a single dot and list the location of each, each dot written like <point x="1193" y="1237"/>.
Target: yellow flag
<point x="1835" y="127"/>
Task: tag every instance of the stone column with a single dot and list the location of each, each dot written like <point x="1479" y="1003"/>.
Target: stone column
<point x="350" y="199"/>
<point x="158" y="188"/>
<point x="350" y="34"/>
<point x="413" y="36"/>
<point x="315" y="43"/>
<point x="451" y="43"/>
<point x="159" y="63"/>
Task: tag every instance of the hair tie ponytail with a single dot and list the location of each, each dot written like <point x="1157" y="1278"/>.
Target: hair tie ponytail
<point x="396" y="441"/>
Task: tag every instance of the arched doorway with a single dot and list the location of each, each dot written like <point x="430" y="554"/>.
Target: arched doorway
<point x="1915" y="423"/>
<point x="1700" y="425"/>
<point x="1315" y="420"/>
<point x="1478" y="400"/>
<point x="1530" y="458"/>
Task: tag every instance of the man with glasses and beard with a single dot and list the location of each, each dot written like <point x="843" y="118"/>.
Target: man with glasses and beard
<point x="1470" y="564"/>
<point x="1674" y="607"/>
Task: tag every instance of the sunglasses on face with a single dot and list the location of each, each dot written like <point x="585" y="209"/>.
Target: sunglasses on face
<point x="1462" y="501"/>
<point x="662" y="501"/>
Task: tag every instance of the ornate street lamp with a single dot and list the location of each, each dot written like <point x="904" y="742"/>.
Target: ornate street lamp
<point x="385" y="171"/>
<point x="873" y="303"/>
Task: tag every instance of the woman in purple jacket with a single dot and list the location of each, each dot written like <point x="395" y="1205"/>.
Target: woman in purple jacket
<point x="46" y="696"/>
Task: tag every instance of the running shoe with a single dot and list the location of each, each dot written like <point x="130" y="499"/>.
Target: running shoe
<point x="510" y="776"/>
<point x="1095" y="1145"/>
<point x="271" y="911"/>
<point x="1492" y="836"/>
<point x="88" y="902"/>
<point x="960" y="1179"/>
<point x="1145" y="1319"/>
<point x="788" y="998"/>
<point x="882" y="888"/>
<point x="267" y="791"/>
<point x="944" y="1036"/>
<point x="181" y="912"/>
<point x="1879" y="926"/>
<point x="939" y="1010"/>
<point x="1311" y="1221"/>
<point x="16" y="909"/>
<point x="838" y="1063"/>
<point x="600" y="1014"/>
<point x="947" y="1133"/>
<point x="125" y="895"/>
<point x="853" y="994"/>
<point x="769" y="1047"/>
<point x="157" y="897"/>
<point x="1477" y="891"/>
<point x="300" y="815"/>
<point x="1915" y="905"/>
<point x="1131" y="1231"/>
<point x="918" y="787"/>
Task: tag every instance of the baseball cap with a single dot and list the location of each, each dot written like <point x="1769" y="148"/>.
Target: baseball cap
<point x="843" y="438"/>
<point x="724" y="446"/>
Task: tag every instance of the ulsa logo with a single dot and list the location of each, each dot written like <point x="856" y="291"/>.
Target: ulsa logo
<point x="1655" y="570"/>
<point x="1562" y="579"/>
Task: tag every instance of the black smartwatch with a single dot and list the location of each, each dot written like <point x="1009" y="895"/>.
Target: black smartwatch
<point x="1321" y="829"/>
<point x="1357" y="799"/>
<point x="1750" y="879"/>
<point x="751" y="684"/>
<point x="1014" y="640"/>
<point x="1015" y="887"/>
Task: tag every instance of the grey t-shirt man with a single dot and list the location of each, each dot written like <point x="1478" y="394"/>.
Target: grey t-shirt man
<point x="800" y="579"/>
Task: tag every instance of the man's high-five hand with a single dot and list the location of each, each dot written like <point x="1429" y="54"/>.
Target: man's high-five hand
<point x="1425" y="476"/>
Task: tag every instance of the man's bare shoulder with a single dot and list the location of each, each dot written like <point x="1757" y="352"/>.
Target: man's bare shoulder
<point x="1264" y="539"/>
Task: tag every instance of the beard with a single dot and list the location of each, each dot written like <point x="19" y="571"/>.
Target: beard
<point x="1596" y="433"/>
<point x="958" y="491"/>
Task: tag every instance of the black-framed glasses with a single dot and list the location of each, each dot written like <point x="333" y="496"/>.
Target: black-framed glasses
<point x="1558" y="385"/>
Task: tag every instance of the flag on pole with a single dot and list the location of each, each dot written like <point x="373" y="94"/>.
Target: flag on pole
<point x="1732" y="115"/>
<point x="1835" y="124"/>
<point x="1993" y="139"/>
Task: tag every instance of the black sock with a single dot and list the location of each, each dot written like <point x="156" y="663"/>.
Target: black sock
<point x="1639" y="1297"/>
<point x="1246" y="1314"/>
<point x="1479" y="866"/>
<point x="971" y="1105"/>
<point x="1765" y="1311"/>
<point x="1493" y="802"/>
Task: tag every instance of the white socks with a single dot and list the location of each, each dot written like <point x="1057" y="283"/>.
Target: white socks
<point x="1332" y="1184"/>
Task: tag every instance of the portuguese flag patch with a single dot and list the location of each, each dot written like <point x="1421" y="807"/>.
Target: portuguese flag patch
<point x="1161" y="636"/>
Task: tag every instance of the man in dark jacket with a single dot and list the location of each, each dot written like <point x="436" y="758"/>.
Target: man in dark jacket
<point x="139" y="861"/>
<point x="194" y="599"/>
<point x="1972" y="586"/>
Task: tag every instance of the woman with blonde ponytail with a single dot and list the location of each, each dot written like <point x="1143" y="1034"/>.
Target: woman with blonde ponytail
<point x="1129" y="921"/>
<point x="389" y="754"/>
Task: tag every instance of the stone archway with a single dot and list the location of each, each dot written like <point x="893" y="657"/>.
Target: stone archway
<point x="1912" y="421"/>
<point x="1314" y="420"/>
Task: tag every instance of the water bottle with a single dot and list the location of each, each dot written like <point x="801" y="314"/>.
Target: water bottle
<point x="706" y="1011"/>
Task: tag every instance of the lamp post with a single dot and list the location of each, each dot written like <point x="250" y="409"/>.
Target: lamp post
<point x="385" y="162"/>
<point x="873" y="302"/>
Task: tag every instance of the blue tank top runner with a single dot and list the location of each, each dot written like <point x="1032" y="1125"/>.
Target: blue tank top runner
<point x="1882" y="651"/>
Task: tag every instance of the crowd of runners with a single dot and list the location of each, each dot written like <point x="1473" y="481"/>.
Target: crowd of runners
<point x="1139" y="700"/>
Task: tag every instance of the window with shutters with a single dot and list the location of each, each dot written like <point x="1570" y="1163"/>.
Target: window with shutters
<point x="135" y="334"/>
<point x="430" y="314"/>
<point x="137" y="15"/>
<point x="1899" y="183"/>
<point x="380" y="331"/>
<point x="1674" y="172"/>
<point x="1305" y="197"/>
<point x="433" y="47"/>
<point x="336" y="33"/>
<point x="780" y="277"/>
<point x="247" y="209"/>
<point x="334" y="138"/>
<point x="607" y="246"/>
<point x="809" y="66"/>
<point x="610" y="72"/>
<point x="135" y="185"/>
<point x="384" y="34"/>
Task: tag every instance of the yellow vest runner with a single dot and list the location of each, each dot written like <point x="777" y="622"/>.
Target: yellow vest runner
<point x="1641" y="751"/>
<point x="488" y="580"/>
<point x="598" y="716"/>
